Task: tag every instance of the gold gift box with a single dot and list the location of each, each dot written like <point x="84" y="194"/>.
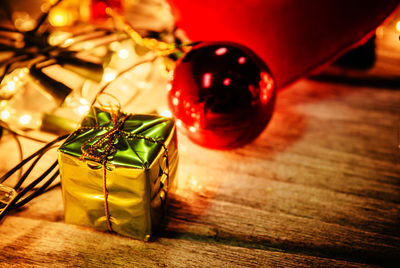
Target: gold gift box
<point x="137" y="177"/>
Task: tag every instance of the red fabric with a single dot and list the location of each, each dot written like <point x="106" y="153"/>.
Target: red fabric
<point x="292" y="36"/>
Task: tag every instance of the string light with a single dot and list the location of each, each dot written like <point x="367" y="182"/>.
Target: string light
<point x="166" y="113"/>
<point x="25" y="119"/>
<point x="109" y="75"/>
<point x="7" y="194"/>
<point x="79" y="105"/>
<point x="64" y="15"/>
<point x="23" y="21"/>
<point x="123" y="53"/>
<point x="11" y="83"/>
<point x="59" y="38"/>
<point x="5" y="115"/>
<point x="398" y="26"/>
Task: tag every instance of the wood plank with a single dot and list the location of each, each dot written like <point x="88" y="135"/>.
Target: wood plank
<point x="323" y="180"/>
<point x="42" y="243"/>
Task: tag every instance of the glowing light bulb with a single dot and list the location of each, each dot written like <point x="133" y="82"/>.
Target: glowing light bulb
<point x="227" y="81"/>
<point x="175" y="101"/>
<point x="166" y="113"/>
<point x="68" y="42"/>
<point x="11" y="86"/>
<point x="23" y="21"/>
<point x="79" y="105"/>
<point x="58" y="19"/>
<point x="58" y="38"/>
<point x="22" y="72"/>
<point x="207" y="77"/>
<point x="398" y="26"/>
<point x="62" y="16"/>
<point x="12" y="83"/>
<point x="109" y="75"/>
<point x="123" y="53"/>
<point x="221" y="51"/>
<point x="25" y="119"/>
<point x="83" y="109"/>
<point x="7" y="194"/>
<point x="5" y="115"/>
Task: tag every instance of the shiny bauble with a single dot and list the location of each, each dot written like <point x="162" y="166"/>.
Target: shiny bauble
<point x="222" y="95"/>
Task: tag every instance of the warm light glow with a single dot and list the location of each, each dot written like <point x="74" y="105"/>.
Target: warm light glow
<point x="169" y="87"/>
<point x="25" y="119"/>
<point x="179" y="123"/>
<point x="123" y="53"/>
<point x="5" y="115"/>
<point x="22" y="72"/>
<point x="58" y="19"/>
<point x="194" y="183"/>
<point x="266" y="87"/>
<point x="23" y="21"/>
<point x="68" y="42"/>
<point x="192" y="129"/>
<point x="83" y="109"/>
<point x="221" y="51"/>
<point x="398" y="26"/>
<point x="83" y="101"/>
<point x="166" y="113"/>
<point x="207" y="77"/>
<point x="227" y="81"/>
<point x="62" y="16"/>
<point x="109" y="75"/>
<point x="11" y="86"/>
<point x="175" y="101"/>
<point x="242" y="60"/>
<point x="171" y="75"/>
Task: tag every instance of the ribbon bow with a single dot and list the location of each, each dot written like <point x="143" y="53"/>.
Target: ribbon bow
<point x="101" y="148"/>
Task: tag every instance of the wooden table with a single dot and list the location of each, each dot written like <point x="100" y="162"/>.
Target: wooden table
<point x="319" y="187"/>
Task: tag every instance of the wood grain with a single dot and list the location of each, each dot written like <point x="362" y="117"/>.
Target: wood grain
<point x="42" y="243"/>
<point x="320" y="187"/>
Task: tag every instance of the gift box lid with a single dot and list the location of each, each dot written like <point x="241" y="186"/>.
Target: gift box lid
<point x="136" y="145"/>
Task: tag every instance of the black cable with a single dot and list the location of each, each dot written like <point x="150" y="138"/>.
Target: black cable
<point x="23" y="162"/>
<point x="39" y="191"/>
<point x="23" y="178"/>
<point x="11" y="205"/>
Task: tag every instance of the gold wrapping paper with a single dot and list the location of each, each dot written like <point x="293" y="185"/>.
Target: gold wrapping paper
<point x="135" y="175"/>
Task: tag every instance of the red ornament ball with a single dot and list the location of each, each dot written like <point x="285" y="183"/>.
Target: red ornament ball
<point x="222" y="94"/>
